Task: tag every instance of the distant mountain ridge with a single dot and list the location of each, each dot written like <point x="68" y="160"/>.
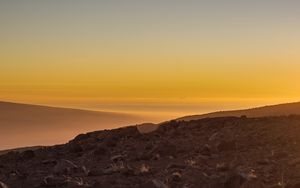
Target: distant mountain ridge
<point x="270" y="110"/>
<point x="27" y="125"/>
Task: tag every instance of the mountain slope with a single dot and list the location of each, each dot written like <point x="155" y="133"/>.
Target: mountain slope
<point x="230" y="152"/>
<point x="26" y="125"/>
<point x="274" y="110"/>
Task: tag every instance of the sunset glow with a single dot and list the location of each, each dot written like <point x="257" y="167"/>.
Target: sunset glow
<point x="114" y="53"/>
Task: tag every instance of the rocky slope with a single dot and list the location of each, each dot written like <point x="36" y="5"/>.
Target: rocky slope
<point x="272" y="110"/>
<point x="228" y="152"/>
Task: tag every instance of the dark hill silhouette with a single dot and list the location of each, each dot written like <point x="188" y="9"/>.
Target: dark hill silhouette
<point x="29" y="125"/>
<point x="228" y="152"/>
<point x="272" y="110"/>
<point x="2" y="152"/>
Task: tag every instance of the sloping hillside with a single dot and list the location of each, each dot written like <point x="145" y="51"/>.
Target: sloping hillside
<point x="27" y="125"/>
<point x="226" y="152"/>
<point x="274" y="110"/>
<point x="2" y="152"/>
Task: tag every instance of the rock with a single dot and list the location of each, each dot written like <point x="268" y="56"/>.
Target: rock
<point x="81" y="137"/>
<point x="226" y="145"/>
<point x="154" y="184"/>
<point x="253" y="184"/>
<point x="101" y="184"/>
<point x="191" y="162"/>
<point x="213" y="137"/>
<point x="195" y="177"/>
<point x="65" y="167"/>
<point x="206" y="150"/>
<point x="17" y="175"/>
<point x="165" y="149"/>
<point x="148" y="184"/>
<point x="275" y="186"/>
<point x="11" y="156"/>
<point x="27" y="155"/>
<point x="148" y="146"/>
<point x="128" y="171"/>
<point x="63" y="181"/>
<point x="75" y="182"/>
<point x="176" y="176"/>
<point x="144" y="168"/>
<point x="293" y="185"/>
<point x="54" y="181"/>
<point x="111" y="142"/>
<point x="159" y="184"/>
<point x="234" y="181"/>
<point x="75" y="148"/>
<point x="251" y="175"/>
<point x="280" y="154"/>
<point x="2" y="185"/>
<point x="154" y="160"/>
<point x="294" y="162"/>
<point x="88" y="146"/>
<point x="100" y="151"/>
<point x="222" y="167"/>
<point x="95" y="172"/>
<point x="117" y="158"/>
<point x="176" y="166"/>
<point x="147" y="128"/>
<point x="145" y="156"/>
<point x="114" y="168"/>
<point x="263" y="162"/>
<point x="49" y="162"/>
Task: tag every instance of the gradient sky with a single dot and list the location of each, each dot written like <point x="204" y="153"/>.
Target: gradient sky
<point x="124" y="54"/>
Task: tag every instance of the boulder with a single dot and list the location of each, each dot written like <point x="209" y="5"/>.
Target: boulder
<point x="2" y="185"/>
<point x="27" y="155"/>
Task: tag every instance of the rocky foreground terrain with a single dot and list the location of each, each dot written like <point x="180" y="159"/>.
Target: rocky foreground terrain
<point x="226" y="152"/>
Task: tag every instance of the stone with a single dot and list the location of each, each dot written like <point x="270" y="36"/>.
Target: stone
<point x="206" y="150"/>
<point x="165" y="149"/>
<point x="176" y="166"/>
<point x="75" y="148"/>
<point x="54" y="181"/>
<point x="3" y="185"/>
<point x="176" y="176"/>
<point x="95" y="172"/>
<point x="294" y="162"/>
<point x="222" y="167"/>
<point x="234" y="181"/>
<point x="159" y="184"/>
<point x="116" y="158"/>
<point x="263" y="162"/>
<point x="27" y="155"/>
<point x="144" y="168"/>
<point x="294" y="185"/>
<point x="253" y="184"/>
<point x="65" y="167"/>
<point x="226" y="145"/>
<point x="100" y="151"/>
<point x="49" y="162"/>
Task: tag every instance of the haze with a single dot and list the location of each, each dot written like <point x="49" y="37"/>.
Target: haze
<point x="163" y="59"/>
<point x="148" y="49"/>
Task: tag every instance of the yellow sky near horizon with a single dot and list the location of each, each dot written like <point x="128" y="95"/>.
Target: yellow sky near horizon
<point x="144" y="52"/>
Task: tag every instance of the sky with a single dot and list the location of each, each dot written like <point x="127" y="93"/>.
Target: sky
<point x="150" y="56"/>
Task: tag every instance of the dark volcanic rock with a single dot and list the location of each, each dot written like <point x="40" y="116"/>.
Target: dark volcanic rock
<point x="235" y="181"/>
<point x="253" y="184"/>
<point x="27" y="155"/>
<point x="54" y="181"/>
<point x="223" y="152"/>
<point x="2" y="185"/>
